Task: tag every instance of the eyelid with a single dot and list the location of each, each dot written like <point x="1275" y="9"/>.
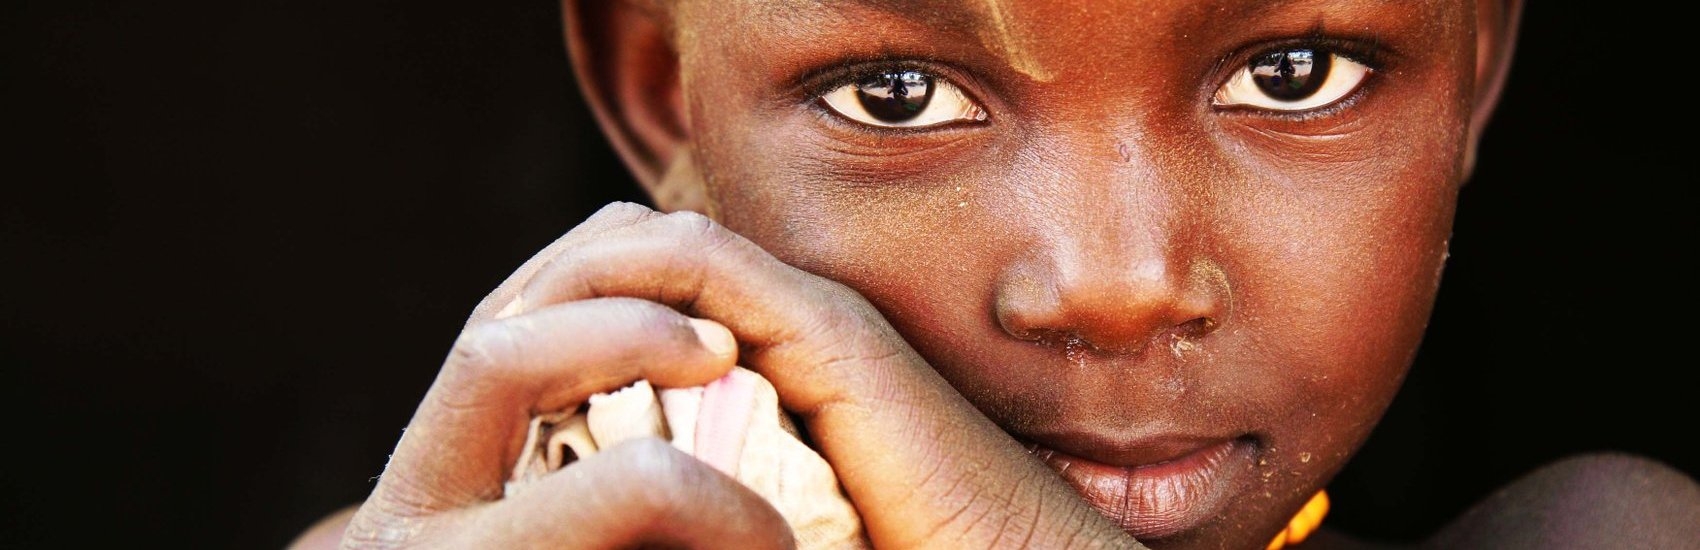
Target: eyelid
<point x="1344" y="77"/>
<point x="819" y="82"/>
<point x="1368" y="52"/>
<point x="938" y="112"/>
<point x="815" y="86"/>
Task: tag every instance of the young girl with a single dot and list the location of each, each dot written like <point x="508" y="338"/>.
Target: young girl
<point x="1031" y="274"/>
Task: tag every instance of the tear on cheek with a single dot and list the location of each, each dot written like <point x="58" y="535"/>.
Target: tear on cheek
<point x="734" y="424"/>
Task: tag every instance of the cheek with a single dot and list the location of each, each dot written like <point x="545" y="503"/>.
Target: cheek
<point x="1347" y="264"/>
<point x="924" y="241"/>
<point x="916" y="234"/>
<point x="920" y="246"/>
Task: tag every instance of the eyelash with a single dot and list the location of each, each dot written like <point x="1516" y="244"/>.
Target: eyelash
<point x="1367" y="51"/>
<point x="815" y="85"/>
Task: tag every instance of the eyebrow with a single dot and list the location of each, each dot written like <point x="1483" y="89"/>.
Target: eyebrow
<point x="937" y="10"/>
<point x="988" y="19"/>
<point x="984" y="11"/>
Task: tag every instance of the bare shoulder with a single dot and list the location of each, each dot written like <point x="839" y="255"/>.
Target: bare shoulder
<point x="325" y="533"/>
<point x="1595" y="500"/>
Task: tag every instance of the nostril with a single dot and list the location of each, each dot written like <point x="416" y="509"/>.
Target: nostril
<point x="1042" y="336"/>
<point x="1184" y="338"/>
<point x="1029" y="335"/>
<point x="1082" y="306"/>
<point x="1195" y="328"/>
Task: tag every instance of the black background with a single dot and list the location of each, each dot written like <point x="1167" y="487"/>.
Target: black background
<point x="236" y="239"/>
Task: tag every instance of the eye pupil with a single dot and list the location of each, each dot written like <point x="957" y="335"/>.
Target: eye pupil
<point x="1291" y="75"/>
<point x="895" y="96"/>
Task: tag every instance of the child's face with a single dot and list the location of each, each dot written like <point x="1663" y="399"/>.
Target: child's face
<point x="1117" y="242"/>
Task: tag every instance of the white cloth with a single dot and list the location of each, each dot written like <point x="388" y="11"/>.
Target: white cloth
<point x="734" y="424"/>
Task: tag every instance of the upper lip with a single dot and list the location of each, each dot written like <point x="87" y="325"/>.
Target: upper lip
<point x="1127" y="450"/>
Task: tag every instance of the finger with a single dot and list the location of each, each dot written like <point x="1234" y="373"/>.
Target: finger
<point x="638" y="493"/>
<point x="468" y="429"/>
<point x="687" y="261"/>
<point x="940" y="465"/>
<point x="500" y="302"/>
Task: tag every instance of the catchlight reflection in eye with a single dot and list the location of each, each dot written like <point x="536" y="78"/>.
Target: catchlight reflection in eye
<point x="903" y="99"/>
<point x="1297" y="79"/>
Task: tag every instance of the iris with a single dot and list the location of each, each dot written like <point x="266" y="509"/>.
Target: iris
<point x="895" y="96"/>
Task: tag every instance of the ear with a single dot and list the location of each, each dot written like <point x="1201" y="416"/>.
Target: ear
<point x="623" y="57"/>
<point x="1496" y="39"/>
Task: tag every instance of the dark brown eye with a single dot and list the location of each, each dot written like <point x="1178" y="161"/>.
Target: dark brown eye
<point x="1292" y="80"/>
<point x="896" y="96"/>
<point x="1290" y="75"/>
<point x="902" y="98"/>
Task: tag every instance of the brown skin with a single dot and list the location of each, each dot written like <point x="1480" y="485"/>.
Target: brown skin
<point x="1108" y="265"/>
<point x="1296" y="260"/>
<point x="1224" y="274"/>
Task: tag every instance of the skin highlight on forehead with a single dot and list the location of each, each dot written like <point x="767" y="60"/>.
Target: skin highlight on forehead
<point x="1012" y="29"/>
<point x="998" y="29"/>
<point x="999" y="33"/>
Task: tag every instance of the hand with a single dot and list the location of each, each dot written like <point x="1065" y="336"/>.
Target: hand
<point x="443" y="485"/>
<point x="924" y="468"/>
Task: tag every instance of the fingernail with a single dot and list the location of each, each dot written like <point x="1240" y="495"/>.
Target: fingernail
<point x="513" y="308"/>
<point x="715" y="337"/>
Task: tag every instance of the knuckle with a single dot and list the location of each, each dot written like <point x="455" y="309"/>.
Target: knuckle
<point x="851" y="301"/>
<point x="482" y="355"/>
<point x="487" y="306"/>
<point x="619" y="211"/>
<point x="699" y="233"/>
<point x="479" y="345"/>
<point x="843" y="310"/>
<point x="691" y="219"/>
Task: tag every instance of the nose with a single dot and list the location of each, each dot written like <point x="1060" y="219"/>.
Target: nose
<point x="1113" y="293"/>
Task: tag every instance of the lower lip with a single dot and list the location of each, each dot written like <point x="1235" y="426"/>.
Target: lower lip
<point x="1156" y="500"/>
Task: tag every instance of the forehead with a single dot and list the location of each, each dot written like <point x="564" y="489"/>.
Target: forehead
<point x="1000" y="14"/>
<point x="1042" y="39"/>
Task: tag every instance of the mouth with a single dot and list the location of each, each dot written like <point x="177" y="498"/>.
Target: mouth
<point x="1152" y="488"/>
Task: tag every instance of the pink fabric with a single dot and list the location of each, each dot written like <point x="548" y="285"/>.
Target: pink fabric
<point x="734" y="424"/>
<point x="724" y="420"/>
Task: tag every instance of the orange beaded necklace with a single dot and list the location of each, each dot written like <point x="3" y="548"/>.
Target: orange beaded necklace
<point x="1303" y="523"/>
